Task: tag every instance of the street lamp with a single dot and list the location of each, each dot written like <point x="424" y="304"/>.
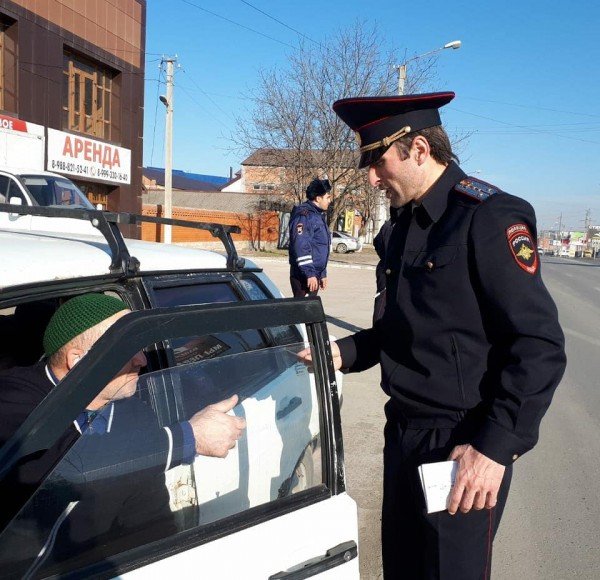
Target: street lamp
<point x="401" y="68"/>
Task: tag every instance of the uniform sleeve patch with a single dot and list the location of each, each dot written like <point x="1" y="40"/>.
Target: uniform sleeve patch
<point x="299" y="229"/>
<point x="520" y="242"/>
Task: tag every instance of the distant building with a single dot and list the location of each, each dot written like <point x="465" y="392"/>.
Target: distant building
<point x="154" y="178"/>
<point x="76" y="69"/>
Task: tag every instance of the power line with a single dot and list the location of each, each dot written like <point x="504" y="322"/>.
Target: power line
<point x="206" y="94"/>
<point x="279" y="22"/>
<point x="531" y="107"/>
<point x="523" y="127"/>
<point x="236" y="23"/>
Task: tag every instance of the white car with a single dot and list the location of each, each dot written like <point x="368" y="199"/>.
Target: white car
<point x="343" y="243"/>
<point x="211" y="325"/>
<point x="37" y="188"/>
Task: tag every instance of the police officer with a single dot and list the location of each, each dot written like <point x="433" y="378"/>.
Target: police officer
<point x="467" y="336"/>
<point x="310" y="240"/>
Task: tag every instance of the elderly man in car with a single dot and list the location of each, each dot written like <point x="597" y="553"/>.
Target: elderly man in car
<point x="116" y="469"/>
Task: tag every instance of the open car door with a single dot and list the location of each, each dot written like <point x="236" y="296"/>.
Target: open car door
<point x="128" y="495"/>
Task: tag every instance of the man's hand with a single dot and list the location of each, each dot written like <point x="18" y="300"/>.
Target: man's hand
<point x="312" y="283"/>
<point x="477" y="481"/>
<point x="323" y="283"/>
<point x="215" y="431"/>
<point x="305" y="356"/>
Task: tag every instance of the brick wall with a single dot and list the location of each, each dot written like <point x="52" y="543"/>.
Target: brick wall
<point x="261" y="227"/>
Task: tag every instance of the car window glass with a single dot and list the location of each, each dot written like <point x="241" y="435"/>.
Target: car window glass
<point x="3" y="188"/>
<point x="53" y="191"/>
<point x="281" y="334"/>
<point x="195" y="348"/>
<point x="127" y="481"/>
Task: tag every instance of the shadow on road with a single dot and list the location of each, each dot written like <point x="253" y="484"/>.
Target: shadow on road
<point x="342" y="324"/>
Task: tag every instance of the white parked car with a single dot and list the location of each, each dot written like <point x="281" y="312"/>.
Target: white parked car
<point x="211" y="325"/>
<point x="37" y="188"/>
<point x="343" y="243"/>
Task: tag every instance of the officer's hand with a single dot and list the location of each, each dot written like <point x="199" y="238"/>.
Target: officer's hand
<point x="313" y="284"/>
<point x="323" y="283"/>
<point x="215" y="430"/>
<point x="477" y="481"/>
<point x="305" y="356"/>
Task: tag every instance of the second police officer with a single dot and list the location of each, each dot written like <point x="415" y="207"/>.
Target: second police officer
<point x="310" y="240"/>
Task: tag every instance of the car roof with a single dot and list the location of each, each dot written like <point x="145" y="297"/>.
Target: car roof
<point x="33" y="257"/>
<point x="20" y="171"/>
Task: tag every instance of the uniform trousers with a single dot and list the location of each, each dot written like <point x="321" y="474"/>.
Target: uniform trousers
<point x="417" y="545"/>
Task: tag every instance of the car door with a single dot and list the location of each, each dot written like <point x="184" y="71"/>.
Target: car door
<point x="105" y="510"/>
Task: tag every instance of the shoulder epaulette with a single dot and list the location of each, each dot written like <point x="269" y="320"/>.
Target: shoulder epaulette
<point x="476" y="189"/>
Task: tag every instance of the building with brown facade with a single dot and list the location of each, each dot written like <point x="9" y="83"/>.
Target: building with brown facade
<point x="75" y="68"/>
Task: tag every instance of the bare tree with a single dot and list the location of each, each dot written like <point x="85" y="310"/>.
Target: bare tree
<point x="295" y="128"/>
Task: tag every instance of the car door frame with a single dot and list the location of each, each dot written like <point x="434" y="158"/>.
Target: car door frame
<point x="145" y="327"/>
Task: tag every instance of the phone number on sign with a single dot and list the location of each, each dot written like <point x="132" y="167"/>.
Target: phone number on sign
<point x="80" y="169"/>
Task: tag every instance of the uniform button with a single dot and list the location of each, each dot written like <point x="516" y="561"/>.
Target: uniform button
<point x="515" y="456"/>
<point x="429" y="265"/>
<point x="388" y="271"/>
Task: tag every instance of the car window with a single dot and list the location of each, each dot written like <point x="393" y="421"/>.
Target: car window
<point x="3" y="188"/>
<point x="280" y="334"/>
<point x="195" y="348"/>
<point x="128" y="481"/>
<point x="55" y="191"/>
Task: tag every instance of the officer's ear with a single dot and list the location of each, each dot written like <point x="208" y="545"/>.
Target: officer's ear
<point x="420" y="149"/>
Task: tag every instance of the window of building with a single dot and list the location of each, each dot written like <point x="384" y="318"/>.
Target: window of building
<point x="88" y="97"/>
<point x="263" y="186"/>
<point x="8" y="64"/>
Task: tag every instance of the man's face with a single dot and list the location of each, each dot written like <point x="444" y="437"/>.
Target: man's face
<point x="401" y="179"/>
<point x="323" y="201"/>
<point x="125" y="383"/>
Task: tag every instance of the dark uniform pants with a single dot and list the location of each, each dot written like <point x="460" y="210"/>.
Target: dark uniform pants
<point x="300" y="288"/>
<point x="417" y="545"/>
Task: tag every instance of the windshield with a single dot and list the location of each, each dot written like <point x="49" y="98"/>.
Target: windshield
<point x="51" y="191"/>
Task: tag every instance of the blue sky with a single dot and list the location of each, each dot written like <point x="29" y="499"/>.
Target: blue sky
<point x="526" y="82"/>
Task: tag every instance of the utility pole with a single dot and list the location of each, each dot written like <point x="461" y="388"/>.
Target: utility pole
<point x="168" y="102"/>
<point x="560" y="226"/>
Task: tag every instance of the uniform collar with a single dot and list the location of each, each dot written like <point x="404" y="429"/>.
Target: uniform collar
<point x="435" y="201"/>
<point x="312" y="205"/>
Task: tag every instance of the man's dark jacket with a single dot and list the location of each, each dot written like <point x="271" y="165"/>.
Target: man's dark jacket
<point x="310" y="242"/>
<point x="467" y="324"/>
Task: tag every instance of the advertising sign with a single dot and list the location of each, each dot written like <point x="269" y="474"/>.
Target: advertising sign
<point x="88" y="158"/>
<point x="21" y="144"/>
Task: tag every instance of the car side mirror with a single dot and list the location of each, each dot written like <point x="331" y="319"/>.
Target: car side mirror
<point x="14" y="201"/>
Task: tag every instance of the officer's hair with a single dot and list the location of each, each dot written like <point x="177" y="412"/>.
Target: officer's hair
<point x="439" y="144"/>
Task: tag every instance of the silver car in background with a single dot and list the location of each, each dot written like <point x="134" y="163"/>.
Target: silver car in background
<point x="343" y="243"/>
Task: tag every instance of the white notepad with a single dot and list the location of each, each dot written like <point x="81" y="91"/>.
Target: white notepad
<point x="437" y="480"/>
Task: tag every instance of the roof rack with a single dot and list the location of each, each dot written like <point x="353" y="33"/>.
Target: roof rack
<point x="107" y="223"/>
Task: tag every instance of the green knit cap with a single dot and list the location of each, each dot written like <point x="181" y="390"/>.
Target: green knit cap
<point x="78" y="315"/>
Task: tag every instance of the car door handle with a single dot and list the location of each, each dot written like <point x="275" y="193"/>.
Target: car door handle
<point x="294" y="403"/>
<point x="335" y="556"/>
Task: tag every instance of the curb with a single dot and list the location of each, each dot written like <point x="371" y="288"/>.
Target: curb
<point x="331" y="263"/>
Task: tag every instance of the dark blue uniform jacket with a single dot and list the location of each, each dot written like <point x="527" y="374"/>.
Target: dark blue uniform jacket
<point x="465" y="321"/>
<point x="310" y="241"/>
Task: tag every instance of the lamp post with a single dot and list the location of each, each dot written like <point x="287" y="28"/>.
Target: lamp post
<point x="401" y="68"/>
